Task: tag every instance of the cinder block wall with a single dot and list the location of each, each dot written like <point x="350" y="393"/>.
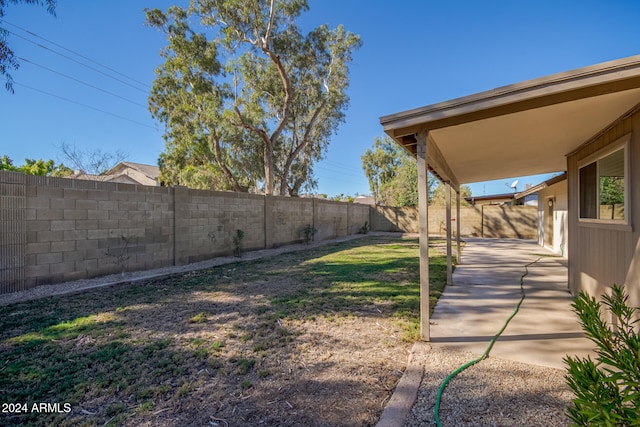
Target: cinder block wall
<point x="470" y="221"/>
<point x="386" y="218"/>
<point x="358" y="215"/>
<point x="56" y="229"/>
<point x="13" y="233"/>
<point x="287" y="218"/>
<point x="478" y="221"/>
<point x="77" y="229"/>
<point x="331" y="219"/>
<point x="206" y="223"/>
<point x="519" y="222"/>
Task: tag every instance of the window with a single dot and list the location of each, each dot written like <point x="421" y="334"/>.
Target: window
<point x="604" y="181"/>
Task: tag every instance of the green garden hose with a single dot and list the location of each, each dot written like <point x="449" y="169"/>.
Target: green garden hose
<point x="486" y="352"/>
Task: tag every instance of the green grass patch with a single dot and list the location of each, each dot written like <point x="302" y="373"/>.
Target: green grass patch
<point x="199" y="318"/>
<point x="359" y="278"/>
<point x="245" y="365"/>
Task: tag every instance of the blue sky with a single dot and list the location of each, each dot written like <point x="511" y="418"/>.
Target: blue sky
<point x="415" y="53"/>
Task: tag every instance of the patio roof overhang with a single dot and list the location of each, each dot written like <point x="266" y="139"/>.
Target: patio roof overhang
<point x="522" y="129"/>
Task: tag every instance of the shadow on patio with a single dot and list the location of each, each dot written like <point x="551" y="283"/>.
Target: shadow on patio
<point x="485" y="291"/>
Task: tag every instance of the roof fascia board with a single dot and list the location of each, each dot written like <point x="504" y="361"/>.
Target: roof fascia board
<point x="594" y="80"/>
<point x="438" y="162"/>
<point x="542" y="185"/>
<point x="506" y="196"/>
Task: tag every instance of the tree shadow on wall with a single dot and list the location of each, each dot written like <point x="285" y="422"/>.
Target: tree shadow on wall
<point x="509" y="223"/>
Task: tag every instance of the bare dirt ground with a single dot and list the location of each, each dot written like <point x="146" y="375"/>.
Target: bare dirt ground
<point x="236" y="345"/>
<point x="320" y="371"/>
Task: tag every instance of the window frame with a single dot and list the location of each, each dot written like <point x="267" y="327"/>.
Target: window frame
<point x="623" y="143"/>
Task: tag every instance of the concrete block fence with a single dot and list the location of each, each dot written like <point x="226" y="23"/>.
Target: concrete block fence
<point x="54" y="230"/>
<point x="489" y="221"/>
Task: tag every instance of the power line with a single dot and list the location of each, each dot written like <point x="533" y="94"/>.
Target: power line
<point x="78" y="62"/>
<point x="82" y="82"/>
<point x="332" y="166"/>
<point x="339" y="165"/>
<point x="76" y="53"/>
<point x="349" y="174"/>
<point x="84" y="105"/>
<point x="346" y="173"/>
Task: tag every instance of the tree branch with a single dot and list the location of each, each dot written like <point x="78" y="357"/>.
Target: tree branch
<point x="266" y="39"/>
<point x="284" y="77"/>
<point x="243" y="124"/>
<point x="299" y="147"/>
<point x="223" y="165"/>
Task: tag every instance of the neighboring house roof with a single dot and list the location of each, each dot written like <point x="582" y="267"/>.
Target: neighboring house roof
<point x="125" y="172"/>
<point x="522" y="129"/>
<point x="491" y="197"/>
<point x="86" y="176"/>
<point x="150" y="171"/>
<point x="365" y="200"/>
<point x="123" y="179"/>
<point x="541" y="186"/>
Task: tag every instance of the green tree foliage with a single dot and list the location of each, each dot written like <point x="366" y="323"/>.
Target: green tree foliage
<point x="245" y="95"/>
<point x="6" y="164"/>
<point x="607" y="391"/>
<point x="393" y="176"/>
<point x="35" y="167"/>
<point x="439" y="196"/>
<point x="392" y="173"/>
<point x="611" y="190"/>
<point x="8" y="61"/>
<point x="403" y="189"/>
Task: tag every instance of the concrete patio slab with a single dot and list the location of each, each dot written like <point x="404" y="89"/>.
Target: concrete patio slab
<point x="486" y="290"/>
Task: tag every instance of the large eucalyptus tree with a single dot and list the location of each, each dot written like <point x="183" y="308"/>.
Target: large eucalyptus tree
<point x="246" y="96"/>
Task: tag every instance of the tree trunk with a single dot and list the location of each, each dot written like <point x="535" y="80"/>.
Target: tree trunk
<point x="223" y="166"/>
<point x="268" y="170"/>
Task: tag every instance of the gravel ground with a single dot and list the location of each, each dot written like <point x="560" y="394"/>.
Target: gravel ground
<point x="493" y="392"/>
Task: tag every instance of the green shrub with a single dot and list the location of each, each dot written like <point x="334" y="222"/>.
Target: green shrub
<point x="607" y="391"/>
<point x="365" y="228"/>
<point x="309" y="233"/>
<point x="237" y="243"/>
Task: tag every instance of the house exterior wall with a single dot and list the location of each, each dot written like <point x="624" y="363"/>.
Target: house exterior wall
<point x="603" y="254"/>
<point x="559" y="194"/>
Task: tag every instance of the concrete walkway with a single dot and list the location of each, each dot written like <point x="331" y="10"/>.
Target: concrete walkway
<point x="485" y="291"/>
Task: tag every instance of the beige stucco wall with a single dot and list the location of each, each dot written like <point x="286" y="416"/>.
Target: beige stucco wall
<point x="559" y="193"/>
